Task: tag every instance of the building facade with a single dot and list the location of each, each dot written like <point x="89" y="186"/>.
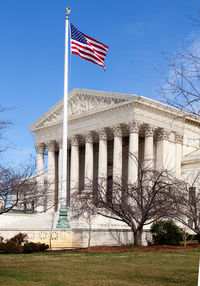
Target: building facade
<point x="105" y="129"/>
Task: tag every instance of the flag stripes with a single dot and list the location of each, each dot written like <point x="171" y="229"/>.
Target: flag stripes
<point x="87" y="47"/>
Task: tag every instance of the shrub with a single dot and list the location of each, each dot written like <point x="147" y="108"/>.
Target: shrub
<point x="12" y="247"/>
<point x="30" y="247"/>
<point x="19" y="238"/>
<point x="2" y="246"/>
<point x="166" y="232"/>
<point x="19" y="244"/>
<point x="43" y="247"/>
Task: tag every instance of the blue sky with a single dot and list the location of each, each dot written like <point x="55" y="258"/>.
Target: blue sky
<point x="32" y="53"/>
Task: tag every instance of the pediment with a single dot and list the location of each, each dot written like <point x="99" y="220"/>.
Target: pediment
<point x="81" y="102"/>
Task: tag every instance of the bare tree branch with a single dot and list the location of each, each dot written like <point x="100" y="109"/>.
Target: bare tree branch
<point x="138" y="204"/>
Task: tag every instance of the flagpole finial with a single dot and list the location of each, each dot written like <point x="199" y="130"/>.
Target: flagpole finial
<point x="68" y="10"/>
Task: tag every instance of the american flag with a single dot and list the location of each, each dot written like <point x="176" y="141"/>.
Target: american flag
<point x="87" y="48"/>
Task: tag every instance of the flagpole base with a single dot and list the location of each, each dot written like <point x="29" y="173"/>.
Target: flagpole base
<point x="63" y="221"/>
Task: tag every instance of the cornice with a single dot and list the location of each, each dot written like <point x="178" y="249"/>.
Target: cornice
<point x="117" y="97"/>
<point x="53" y="109"/>
<point x="125" y="100"/>
<point x="100" y="94"/>
<point x="92" y="113"/>
<point x="190" y="161"/>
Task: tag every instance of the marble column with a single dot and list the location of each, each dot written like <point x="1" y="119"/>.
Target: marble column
<point x="103" y="158"/>
<point x="88" y="160"/>
<point x="148" y="147"/>
<point x="133" y="152"/>
<point x="74" y="178"/>
<point x="40" y="148"/>
<point x="178" y="155"/>
<point x="40" y="158"/>
<point x="117" y="153"/>
<point x="51" y="145"/>
<point x="162" y="151"/>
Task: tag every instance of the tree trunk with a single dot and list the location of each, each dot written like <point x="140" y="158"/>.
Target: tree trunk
<point x="138" y="237"/>
<point x="89" y="237"/>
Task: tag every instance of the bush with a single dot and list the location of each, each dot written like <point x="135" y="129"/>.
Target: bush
<point x="166" y="232"/>
<point x="19" y="244"/>
<point x="30" y="247"/>
<point x="12" y="247"/>
<point x="19" y="238"/>
<point x="43" y="247"/>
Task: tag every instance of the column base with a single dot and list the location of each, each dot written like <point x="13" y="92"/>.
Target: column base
<point x="63" y="221"/>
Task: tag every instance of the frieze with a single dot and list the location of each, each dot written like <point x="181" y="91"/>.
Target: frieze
<point x="54" y="235"/>
<point x="53" y="118"/>
<point x="83" y="103"/>
<point x="43" y="235"/>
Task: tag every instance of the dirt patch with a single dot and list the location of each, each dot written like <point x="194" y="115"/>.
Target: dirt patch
<point x="153" y="248"/>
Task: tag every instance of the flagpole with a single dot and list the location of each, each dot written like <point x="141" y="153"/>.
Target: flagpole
<point x="63" y="218"/>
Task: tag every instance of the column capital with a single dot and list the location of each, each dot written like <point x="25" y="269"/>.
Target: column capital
<point x="117" y="130"/>
<point x="134" y="126"/>
<point x="60" y="143"/>
<point x="102" y="134"/>
<point x="74" y="140"/>
<point x="178" y="138"/>
<point x="40" y="148"/>
<point x="163" y="134"/>
<point x="88" y="137"/>
<point x="149" y="131"/>
<point x="51" y="145"/>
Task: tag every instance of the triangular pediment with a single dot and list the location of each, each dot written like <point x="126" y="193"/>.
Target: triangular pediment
<point x="81" y="102"/>
<point x="84" y="101"/>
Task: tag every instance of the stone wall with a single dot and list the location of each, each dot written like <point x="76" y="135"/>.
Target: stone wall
<point x="78" y="238"/>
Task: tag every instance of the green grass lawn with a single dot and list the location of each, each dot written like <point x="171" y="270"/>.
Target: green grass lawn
<point x="74" y="268"/>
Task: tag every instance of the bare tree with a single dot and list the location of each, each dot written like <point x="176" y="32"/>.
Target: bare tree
<point x="187" y="238"/>
<point x="186" y="206"/>
<point x="4" y="124"/>
<point x="20" y="188"/>
<point x="83" y="207"/>
<point x="137" y="205"/>
<point x="181" y="87"/>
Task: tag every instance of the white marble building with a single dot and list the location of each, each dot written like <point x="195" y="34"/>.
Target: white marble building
<point x="101" y="126"/>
